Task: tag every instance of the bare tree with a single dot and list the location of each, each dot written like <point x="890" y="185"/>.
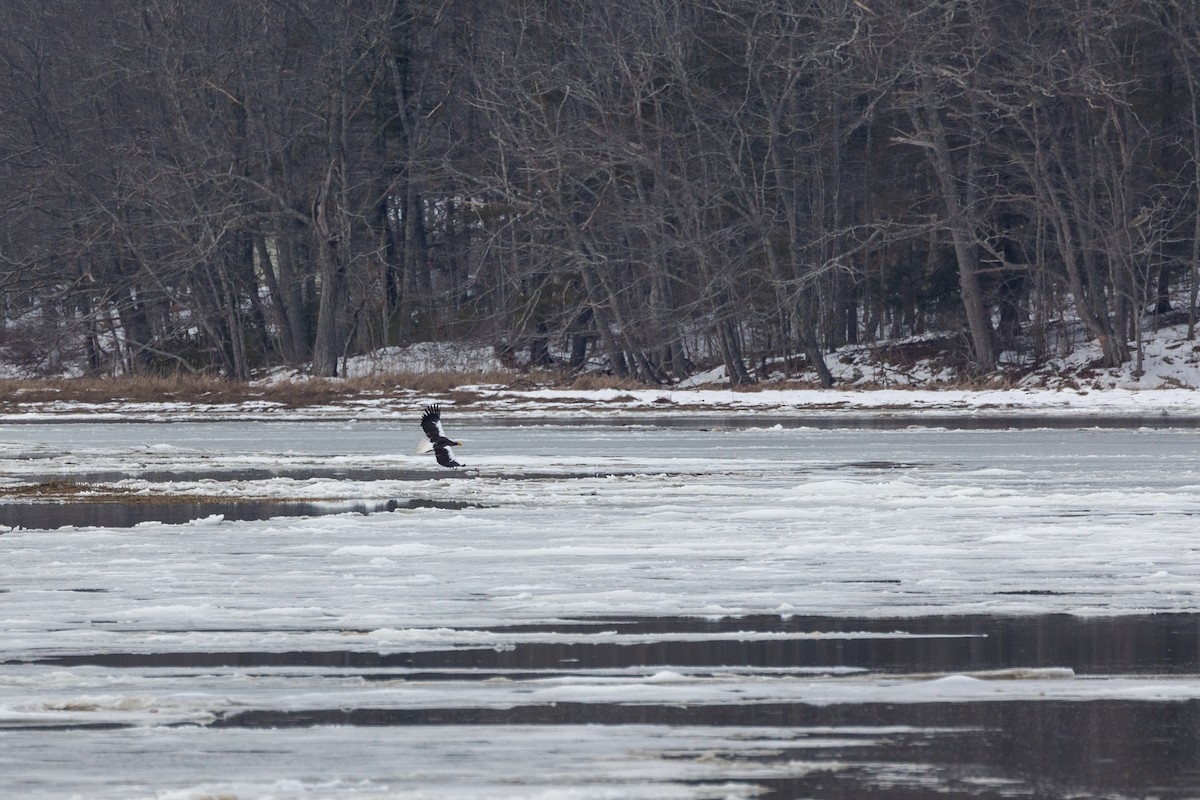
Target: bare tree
<point x="650" y="188"/>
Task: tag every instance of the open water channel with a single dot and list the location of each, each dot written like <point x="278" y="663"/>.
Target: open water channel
<point x="700" y="610"/>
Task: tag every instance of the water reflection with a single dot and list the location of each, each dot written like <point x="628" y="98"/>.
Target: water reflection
<point x="1151" y="644"/>
<point x="1043" y="749"/>
<point x="971" y="749"/>
<point x="110" y="514"/>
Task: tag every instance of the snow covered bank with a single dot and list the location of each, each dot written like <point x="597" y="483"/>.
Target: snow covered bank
<point x="490" y="402"/>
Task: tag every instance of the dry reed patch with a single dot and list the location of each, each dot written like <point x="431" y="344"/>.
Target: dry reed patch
<point x="594" y="382"/>
<point x="768" y="386"/>
<point x="798" y="384"/>
<point x="297" y="393"/>
<point x="62" y="490"/>
<point x="66" y="491"/>
<point x="142" y="389"/>
<point x="303" y="393"/>
<point x="45" y="490"/>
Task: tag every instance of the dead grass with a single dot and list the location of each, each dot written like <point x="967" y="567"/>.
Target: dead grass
<point x="62" y="490"/>
<point x="305" y="392"/>
<point x="141" y="388"/>
<point x="44" y="490"/>
<point x="594" y="382"/>
<point x="298" y="393"/>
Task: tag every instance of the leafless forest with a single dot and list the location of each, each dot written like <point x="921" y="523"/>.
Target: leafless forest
<point x="222" y="185"/>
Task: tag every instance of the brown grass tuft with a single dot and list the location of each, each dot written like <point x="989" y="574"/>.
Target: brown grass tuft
<point x="62" y="490"/>
<point x="761" y="386"/>
<point x="296" y="393"/>
<point x="591" y="382"/>
<point x="137" y="389"/>
<point x="49" y="489"/>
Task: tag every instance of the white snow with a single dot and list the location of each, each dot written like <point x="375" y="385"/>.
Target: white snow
<point x="425" y="357"/>
<point x="792" y="405"/>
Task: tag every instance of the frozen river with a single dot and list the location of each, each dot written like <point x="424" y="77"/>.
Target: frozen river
<point x="306" y="609"/>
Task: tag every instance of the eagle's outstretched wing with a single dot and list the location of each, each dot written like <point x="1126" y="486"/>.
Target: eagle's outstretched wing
<point x="445" y="456"/>
<point x="431" y="423"/>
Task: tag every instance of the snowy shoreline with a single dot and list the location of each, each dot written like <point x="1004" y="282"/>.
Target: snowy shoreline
<point x="492" y="403"/>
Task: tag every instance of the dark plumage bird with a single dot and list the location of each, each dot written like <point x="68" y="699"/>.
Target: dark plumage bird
<point x="439" y="443"/>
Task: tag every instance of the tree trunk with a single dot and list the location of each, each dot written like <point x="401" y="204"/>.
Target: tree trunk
<point x="327" y="347"/>
<point x="961" y="235"/>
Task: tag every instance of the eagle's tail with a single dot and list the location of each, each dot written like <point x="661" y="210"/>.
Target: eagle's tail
<point x="424" y="447"/>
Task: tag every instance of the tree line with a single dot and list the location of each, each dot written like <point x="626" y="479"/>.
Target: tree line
<point x="223" y="185"/>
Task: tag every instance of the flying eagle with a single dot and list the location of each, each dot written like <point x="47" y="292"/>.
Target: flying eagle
<point x="431" y="423"/>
